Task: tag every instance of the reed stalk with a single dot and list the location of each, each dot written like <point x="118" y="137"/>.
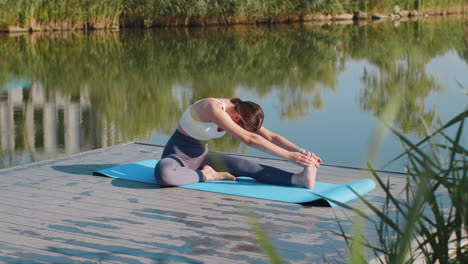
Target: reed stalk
<point x="145" y="12"/>
<point x="424" y="225"/>
<point x="421" y="227"/>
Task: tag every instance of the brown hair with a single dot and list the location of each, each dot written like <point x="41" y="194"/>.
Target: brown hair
<point x="251" y="114"/>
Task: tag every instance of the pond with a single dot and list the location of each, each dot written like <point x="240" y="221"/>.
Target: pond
<point x="323" y="86"/>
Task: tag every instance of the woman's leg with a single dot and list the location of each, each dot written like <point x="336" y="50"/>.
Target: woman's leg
<point x="171" y="171"/>
<point x="242" y="167"/>
<point x="181" y="157"/>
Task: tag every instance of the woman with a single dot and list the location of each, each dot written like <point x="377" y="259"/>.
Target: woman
<point x="186" y="158"/>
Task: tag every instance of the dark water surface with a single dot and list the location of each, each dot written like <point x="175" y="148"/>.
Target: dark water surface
<point x="322" y="87"/>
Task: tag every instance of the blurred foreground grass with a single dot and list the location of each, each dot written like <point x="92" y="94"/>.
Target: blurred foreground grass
<point x="427" y="221"/>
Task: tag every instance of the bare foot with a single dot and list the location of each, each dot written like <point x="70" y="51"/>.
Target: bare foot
<point x="212" y="175"/>
<point x="305" y="178"/>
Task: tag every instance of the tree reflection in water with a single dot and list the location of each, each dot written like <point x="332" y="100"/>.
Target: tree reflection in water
<point x="122" y="86"/>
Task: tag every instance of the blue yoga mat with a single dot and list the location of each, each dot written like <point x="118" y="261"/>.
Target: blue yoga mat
<point x="143" y="171"/>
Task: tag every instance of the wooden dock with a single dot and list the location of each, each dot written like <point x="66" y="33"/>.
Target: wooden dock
<point x="56" y="211"/>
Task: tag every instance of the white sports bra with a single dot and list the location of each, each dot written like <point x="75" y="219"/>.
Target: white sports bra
<point x="200" y="130"/>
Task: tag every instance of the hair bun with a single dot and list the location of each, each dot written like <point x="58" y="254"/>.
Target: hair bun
<point x="251" y="114"/>
<point x="236" y="101"/>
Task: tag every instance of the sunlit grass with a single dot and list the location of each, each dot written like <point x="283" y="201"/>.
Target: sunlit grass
<point x="424" y="225"/>
<point x="146" y="12"/>
<point x="47" y="12"/>
<point x="426" y="221"/>
<point x="262" y="238"/>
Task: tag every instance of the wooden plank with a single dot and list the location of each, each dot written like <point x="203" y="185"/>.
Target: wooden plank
<point x="159" y="221"/>
<point x="80" y="169"/>
<point x="137" y="191"/>
<point x="281" y="242"/>
<point x="7" y="257"/>
<point x="148" y="197"/>
<point x="58" y="178"/>
<point x="208" y="234"/>
<point x="114" y="185"/>
<point x="80" y="238"/>
<point x="81" y="186"/>
<point x="59" y="198"/>
<point x="147" y="200"/>
<point x="47" y="217"/>
<point x="12" y="250"/>
<point x="199" y="210"/>
<point x="133" y="154"/>
<point x="92" y="250"/>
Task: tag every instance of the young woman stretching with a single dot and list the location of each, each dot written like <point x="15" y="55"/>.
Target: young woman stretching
<point x="186" y="158"/>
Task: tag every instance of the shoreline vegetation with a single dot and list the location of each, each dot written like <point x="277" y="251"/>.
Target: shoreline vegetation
<point x="299" y="63"/>
<point x="57" y="15"/>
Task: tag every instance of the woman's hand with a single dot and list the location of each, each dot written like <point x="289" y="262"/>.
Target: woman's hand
<point x="303" y="159"/>
<point x="312" y="155"/>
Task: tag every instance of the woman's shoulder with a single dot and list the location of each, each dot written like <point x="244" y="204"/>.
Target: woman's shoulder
<point x="212" y="102"/>
<point x="213" y="99"/>
<point x="206" y="108"/>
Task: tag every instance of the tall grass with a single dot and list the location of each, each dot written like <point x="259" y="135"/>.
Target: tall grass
<point x="428" y="221"/>
<point x="46" y="12"/>
<point x="148" y="12"/>
<point x="262" y="238"/>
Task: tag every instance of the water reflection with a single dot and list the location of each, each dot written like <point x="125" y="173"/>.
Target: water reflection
<point x="401" y="70"/>
<point x="35" y="126"/>
<point x="68" y="92"/>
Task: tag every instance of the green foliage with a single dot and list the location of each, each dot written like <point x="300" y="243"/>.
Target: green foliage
<point x="299" y="63"/>
<point x="21" y="12"/>
<point x="326" y="6"/>
<point x="427" y="221"/>
<point x="145" y="12"/>
<point x="429" y="217"/>
<point x="262" y="238"/>
<point x="151" y="64"/>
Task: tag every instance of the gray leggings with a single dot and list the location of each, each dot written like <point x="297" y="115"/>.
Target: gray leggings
<point x="184" y="156"/>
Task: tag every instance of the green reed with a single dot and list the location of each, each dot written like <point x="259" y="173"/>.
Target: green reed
<point x="262" y="238"/>
<point x="46" y="12"/>
<point x="147" y="12"/>
<point x="419" y="223"/>
<point x="416" y="224"/>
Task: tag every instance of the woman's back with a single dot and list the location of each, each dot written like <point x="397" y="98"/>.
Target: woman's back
<point x="196" y="123"/>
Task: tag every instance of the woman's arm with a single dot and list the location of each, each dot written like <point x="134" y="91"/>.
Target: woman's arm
<point x="283" y="142"/>
<point x="277" y="139"/>
<point x="224" y="121"/>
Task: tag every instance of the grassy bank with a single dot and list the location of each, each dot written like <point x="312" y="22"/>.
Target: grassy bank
<point x="82" y="14"/>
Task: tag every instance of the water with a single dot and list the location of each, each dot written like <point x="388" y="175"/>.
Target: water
<point x="322" y="87"/>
